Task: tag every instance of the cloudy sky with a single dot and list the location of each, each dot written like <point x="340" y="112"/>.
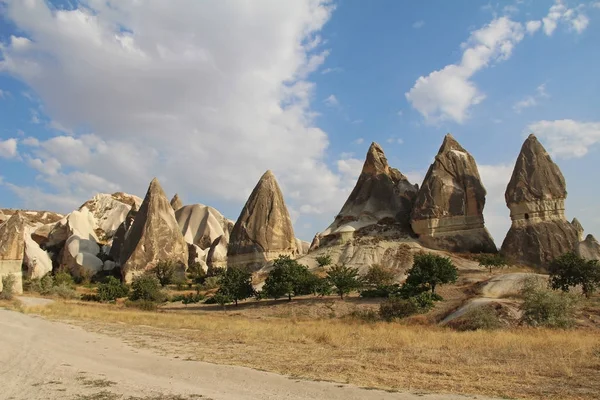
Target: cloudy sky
<point x="103" y="95"/>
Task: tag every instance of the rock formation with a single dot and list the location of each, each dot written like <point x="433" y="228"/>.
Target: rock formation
<point x="536" y="197"/>
<point x="176" y="202"/>
<point x="448" y="210"/>
<point x="206" y="228"/>
<point x="12" y="250"/>
<point x="153" y="237"/>
<point x="109" y="211"/>
<point x="264" y="229"/>
<point x="578" y="227"/>
<point x="120" y="234"/>
<point x="588" y="249"/>
<point x="381" y="200"/>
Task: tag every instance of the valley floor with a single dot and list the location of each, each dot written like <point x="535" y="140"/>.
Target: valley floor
<point x="107" y="350"/>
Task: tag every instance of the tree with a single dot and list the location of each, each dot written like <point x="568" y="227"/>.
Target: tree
<point x="323" y="261"/>
<point x="196" y="273"/>
<point x="492" y="261"/>
<point x="345" y="279"/>
<point x="147" y="288"/>
<point x="236" y="284"/>
<point x="429" y="271"/>
<point x="569" y="270"/>
<point x="378" y="275"/>
<point x="288" y="278"/>
<point x="164" y="271"/>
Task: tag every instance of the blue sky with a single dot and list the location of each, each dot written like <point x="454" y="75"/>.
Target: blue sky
<point x="102" y="96"/>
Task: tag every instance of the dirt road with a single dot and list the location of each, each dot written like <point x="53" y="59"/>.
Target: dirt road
<point x="41" y="359"/>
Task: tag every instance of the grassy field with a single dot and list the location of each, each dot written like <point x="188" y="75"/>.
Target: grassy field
<point x="289" y="339"/>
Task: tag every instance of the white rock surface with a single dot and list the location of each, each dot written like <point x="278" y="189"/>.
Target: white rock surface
<point x="509" y="284"/>
<point x="38" y="261"/>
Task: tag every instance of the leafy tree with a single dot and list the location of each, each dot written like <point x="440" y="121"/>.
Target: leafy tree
<point x="236" y="284"/>
<point x="288" y="278"/>
<point x="429" y="271"/>
<point x="492" y="261"/>
<point x="196" y="273"/>
<point x="164" y="271"/>
<point x="345" y="279"/>
<point x="378" y="275"/>
<point x="322" y="286"/>
<point x="147" y="288"/>
<point x="549" y="308"/>
<point x="569" y="270"/>
<point x="112" y="289"/>
<point x="323" y="261"/>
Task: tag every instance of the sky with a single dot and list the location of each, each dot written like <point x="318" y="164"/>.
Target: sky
<point x="104" y="95"/>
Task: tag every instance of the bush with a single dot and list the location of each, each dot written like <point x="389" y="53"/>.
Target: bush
<point x="345" y="279"/>
<point x="378" y="276"/>
<point x="322" y="287"/>
<point x="142" y="304"/>
<point x="397" y="307"/>
<point x="63" y="278"/>
<point x="491" y="261"/>
<point x="90" y="297"/>
<point x="146" y="287"/>
<point x="210" y="300"/>
<point x="190" y="298"/>
<point x="548" y="308"/>
<point x="64" y="291"/>
<point x="569" y="270"/>
<point x="211" y="282"/>
<point x="196" y="273"/>
<point x="164" y="271"/>
<point x="323" y="261"/>
<point x="112" y="289"/>
<point x="478" y="318"/>
<point x="384" y="291"/>
<point x="8" y="287"/>
<point x="429" y="271"/>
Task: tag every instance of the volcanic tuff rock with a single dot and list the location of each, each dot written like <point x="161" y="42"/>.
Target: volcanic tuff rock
<point x="588" y="248"/>
<point x="382" y="195"/>
<point x="264" y="229"/>
<point x="153" y="237"/>
<point x="109" y="211"/>
<point x="12" y="249"/>
<point x="176" y="202"/>
<point x="448" y="210"/>
<point x="207" y="228"/>
<point x="536" y="197"/>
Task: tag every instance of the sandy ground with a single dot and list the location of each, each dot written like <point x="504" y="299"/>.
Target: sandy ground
<point x="41" y="359"/>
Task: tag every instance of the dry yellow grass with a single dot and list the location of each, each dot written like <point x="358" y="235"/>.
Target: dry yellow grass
<point x="521" y="363"/>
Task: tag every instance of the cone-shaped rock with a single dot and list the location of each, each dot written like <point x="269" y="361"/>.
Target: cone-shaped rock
<point x="176" y="202"/>
<point x="536" y="197"/>
<point x="264" y="229"/>
<point x="382" y="195"/>
<point x="588" y="249"/>
<point x="12" y="250"/>
<point x="154" y="236"/>
<point x="448" y="210"/>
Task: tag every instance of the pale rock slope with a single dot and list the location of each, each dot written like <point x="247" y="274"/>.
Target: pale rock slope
<point x="588" y="249"/>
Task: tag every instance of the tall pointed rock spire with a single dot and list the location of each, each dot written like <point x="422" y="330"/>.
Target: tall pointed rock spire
<point x="176" y="202"/>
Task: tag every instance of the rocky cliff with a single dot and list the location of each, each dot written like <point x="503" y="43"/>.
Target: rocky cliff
<point x="536" y="197"/>
<point x="448" y="210"/>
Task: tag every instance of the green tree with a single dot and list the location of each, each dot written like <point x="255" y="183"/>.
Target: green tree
<point x="569" y="270"/>
<point x="288" y="278"/>
<point x="492" y="261"/>
<point x="236" y="284"/>
<point x="164" y="271"/>
<point x="196" y="273"/>
<point x="429" y="271"/>
<point x="323" y="261"/>
<point x="112" y="289"/>
<point x="345" y="279"/>
<point x="378" y="275"/>
<point x="146" y="288"/>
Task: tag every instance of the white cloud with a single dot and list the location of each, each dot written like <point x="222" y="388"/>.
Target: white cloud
<point x="596" y="4"/>
<point x="359" y="141"/>
<point x="31" y="141"/>
<point x="574" y="18"/>
<point x="495" y="178"/>
<point x="350" y="167"/>
<point x="332" y="101"/>
<point x="510" y="9"/>
<point x="418" y="24"/>
<point x="35" y="116"/>
<point x="3" y="94"/>
<point x="533" y="26"/>
<point x="415" y="177"/>
<point x="448" y="94"/>
<point x="531" y="100"/>
<point x="8" y="148"/>
<point x="566" y="138"/>
<point x="186" y="93"/>
<point x="330" y="70"/>
<point x="395" y="140"/>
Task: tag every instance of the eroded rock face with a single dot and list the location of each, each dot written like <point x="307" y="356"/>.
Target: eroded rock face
<point x="382" y="196"/>
<point x="12" y="250"/>
<point x="109" y="211"/>
<point x="264" y="229"/>
<point x="153" y="237"/>
<point x="588" y="249"/>
<point x="448" y="210"/>
<point x="176" y="202"/>
<point x="119" y="236"/>
<point x="536" y="197"/>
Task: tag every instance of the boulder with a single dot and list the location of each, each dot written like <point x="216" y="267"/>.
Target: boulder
<point x="448" y="210"/>
<point x="381" y="201"/>
<point x="302" y="246"/>
<point x="109" y="211"/>
<point x="176" y="202"/>
<point x="154" y="236"/>
<point x="536" y="196"/>
<point x="588" y="249"/>
<point x="81" y="254"/>
<point x="264" y="229"/>
<point x="37" y="262"/>
<point x="12" y="250"/>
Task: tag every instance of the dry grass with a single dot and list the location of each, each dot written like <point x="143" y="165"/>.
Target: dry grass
<point x="521" y="363"/>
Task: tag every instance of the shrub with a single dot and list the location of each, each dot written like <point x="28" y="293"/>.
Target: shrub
<point x="323" y="261"/>
<point x="215" y="271"/>
<point x="146" y="287"/>
<point x="164" y="271"/>
<point x="384" y="291"/>
<point x="210" y="300"/>
<point x="63" y="278"/>
<point x="429" y="271"/>
<point x="64" y="291"/>
<point x="190" y="298"/>
<point x="196" y="273"/>
<point x="236" y="284"/>
<point x="491" y="261"/>
<point x="180" y="283"/>
<point x="345" y="279"/>
<point x="222" y="299"/>
<point x="288" y="278"/>
<point x="397" y="307"/>
<point x="90" y="297"/>
<point x="322" y="287"/>
<point x="569" y="270"/>
<point x="549" y="308"/>
<point x="8" y="287"/>
<point x="378" y="275"/>
<point x="112" y="289"/>
<point x="478" y="318"/>
<point x="46" y="284"/>
<point x="142" y="304"/>
<point x="211" y="282"/>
